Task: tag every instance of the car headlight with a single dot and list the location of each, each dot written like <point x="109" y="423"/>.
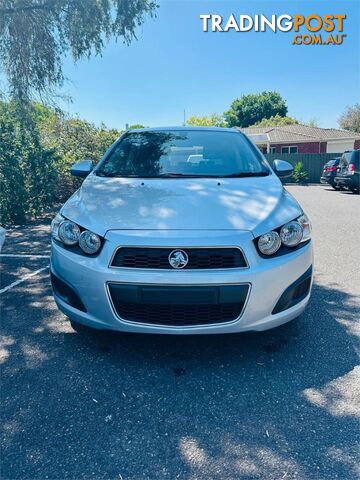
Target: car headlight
<point x="291" y="234"/>
<point x="306" y="226"/>
<point x="69" y="232"/>
<point x="71" y="235"/>
<point x="89" y="242"/>
<point x="55" y="224"/>
<point x="269" y="243"/>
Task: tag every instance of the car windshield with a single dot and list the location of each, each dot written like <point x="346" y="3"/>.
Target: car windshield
<point x="183" y="153"/>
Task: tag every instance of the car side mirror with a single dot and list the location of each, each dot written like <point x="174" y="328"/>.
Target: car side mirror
<point x="282" y="168"/>
<point x="82" y="168"/>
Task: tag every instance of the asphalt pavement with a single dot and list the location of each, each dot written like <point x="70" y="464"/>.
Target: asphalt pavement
<point x="283" y="404"/>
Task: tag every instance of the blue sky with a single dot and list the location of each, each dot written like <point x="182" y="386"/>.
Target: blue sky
<point x="175" y="66"/>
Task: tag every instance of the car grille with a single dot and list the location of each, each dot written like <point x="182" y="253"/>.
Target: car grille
<point x="179" y="315"/>
<point x="178" y="306"/>
<point x="199" y="258"/>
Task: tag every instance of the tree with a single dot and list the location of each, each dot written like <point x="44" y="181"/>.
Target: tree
<point x="37" y="144"/>
<point x="350" y="119"/>
<point x="276" y="121"/>
<point x="250" y="109"/>
<point x="215" y="120"/>
<point x="36" y="34"/>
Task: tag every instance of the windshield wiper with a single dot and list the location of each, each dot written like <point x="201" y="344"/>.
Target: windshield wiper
<point x="246" y="174"/>
<point x="160" y="175"/>
<point x="177" y="175"/>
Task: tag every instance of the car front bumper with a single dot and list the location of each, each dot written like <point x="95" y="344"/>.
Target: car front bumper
<point x="267" y="280"/>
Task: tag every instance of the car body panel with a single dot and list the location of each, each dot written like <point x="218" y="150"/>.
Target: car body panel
<point x="327" y="175"/>
<point x="268" y="279"/>
<point x="253" y="204"/>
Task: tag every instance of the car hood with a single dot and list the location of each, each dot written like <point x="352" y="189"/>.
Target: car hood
<point x="255" y="204"/>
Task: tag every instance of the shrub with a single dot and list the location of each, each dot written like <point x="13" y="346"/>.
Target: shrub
<point x="300" y="175"/>
<point x="73" y="139"/>
<point x="37" y="148"/>
<point x="28" y="174"/>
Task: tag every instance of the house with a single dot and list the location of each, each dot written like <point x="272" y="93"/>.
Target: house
<point x="299" y="138"/>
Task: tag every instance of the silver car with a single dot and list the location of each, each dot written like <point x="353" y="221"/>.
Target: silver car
<point x="181" y="230"/>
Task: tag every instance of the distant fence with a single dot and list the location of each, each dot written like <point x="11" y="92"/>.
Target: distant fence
<point x="313" y="162"/>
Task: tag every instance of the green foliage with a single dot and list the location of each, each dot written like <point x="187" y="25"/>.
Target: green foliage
<point x="35" y="35"/>
<point x="28" y="174"/>
<point x="73" y="140"/>
<point x="250" y="109"/>
<point x="299" y="175"/>
<point x="276" y="121"/>
<point x="36" y="155"/>
<point x="350" y="119"/>
<point x="136" y="126"/>
<point x="214" y="120"/>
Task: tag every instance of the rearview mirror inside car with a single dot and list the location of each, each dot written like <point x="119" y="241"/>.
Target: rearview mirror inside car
<point x="81" y="168"/>
<point x="282" y="168"/>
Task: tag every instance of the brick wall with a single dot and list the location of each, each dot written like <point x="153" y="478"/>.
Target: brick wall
<point x="323" y="147"/>
<point x="357" y="144"/>
<point x="310" y="147"/>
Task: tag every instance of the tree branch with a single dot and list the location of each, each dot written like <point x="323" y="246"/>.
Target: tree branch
<point x="25" y="8"/>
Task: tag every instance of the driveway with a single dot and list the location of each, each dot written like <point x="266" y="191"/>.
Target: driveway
<point x="282" y="404"/>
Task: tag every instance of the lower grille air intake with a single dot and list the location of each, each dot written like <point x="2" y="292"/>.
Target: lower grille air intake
<point x="178" y="306"/>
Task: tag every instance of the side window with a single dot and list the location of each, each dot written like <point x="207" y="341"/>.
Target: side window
<point x="289" y="149"/>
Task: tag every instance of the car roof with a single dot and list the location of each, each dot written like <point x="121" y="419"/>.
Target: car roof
<point x="184" y="128"/>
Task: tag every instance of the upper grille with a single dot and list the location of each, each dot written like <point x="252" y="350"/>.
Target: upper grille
<point x="199" y="258"/>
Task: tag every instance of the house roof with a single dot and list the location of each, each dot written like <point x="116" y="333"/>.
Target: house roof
<point x="299" y="133"/>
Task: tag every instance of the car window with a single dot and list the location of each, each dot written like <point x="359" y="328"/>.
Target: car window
<point x="343" y="163"/>
<point x="346" y="158"/>
<point x="156" y="153"/>
<point x="331" y="163"/>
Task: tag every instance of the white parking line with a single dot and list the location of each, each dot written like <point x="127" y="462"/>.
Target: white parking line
<point x="26" y="277"/>
<point x="25" y="255"/>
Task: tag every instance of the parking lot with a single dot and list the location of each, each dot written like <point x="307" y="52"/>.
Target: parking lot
<point x="282" y="404"/>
